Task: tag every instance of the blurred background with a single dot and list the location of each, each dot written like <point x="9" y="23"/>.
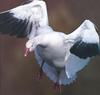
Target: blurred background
<point x="17" y="73"/>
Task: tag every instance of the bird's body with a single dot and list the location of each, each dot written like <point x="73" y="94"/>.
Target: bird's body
<point x="56" y="50"/>
<point x="59" y="55"/>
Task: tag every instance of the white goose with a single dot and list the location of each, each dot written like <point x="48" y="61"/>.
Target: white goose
<point x="60" y="56"/>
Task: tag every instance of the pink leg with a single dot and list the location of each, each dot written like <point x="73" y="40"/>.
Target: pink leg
<point x="58" y="87"/>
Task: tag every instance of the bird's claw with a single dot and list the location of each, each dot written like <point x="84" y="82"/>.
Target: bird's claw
<point x="57" y="87"/>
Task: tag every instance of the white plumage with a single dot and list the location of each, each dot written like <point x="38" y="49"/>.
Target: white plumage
<point x="60" y="56"/>
<point x="56" y="49"/>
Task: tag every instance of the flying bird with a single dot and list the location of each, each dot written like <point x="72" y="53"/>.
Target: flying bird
<point x="59" y="55"/>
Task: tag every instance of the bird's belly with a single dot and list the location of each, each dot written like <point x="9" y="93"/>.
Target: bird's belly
<point x="53" y="56"/>
<point x="59" y="63"/>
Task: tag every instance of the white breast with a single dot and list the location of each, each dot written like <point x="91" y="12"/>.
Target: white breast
<point x="55" y="51"/>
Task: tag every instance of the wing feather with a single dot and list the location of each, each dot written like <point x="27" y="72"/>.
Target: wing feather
<point x="14" y="26"/>
<point x="84" y="46"/>
<point x="20" y="20"/>
<point x="88" y="45"/>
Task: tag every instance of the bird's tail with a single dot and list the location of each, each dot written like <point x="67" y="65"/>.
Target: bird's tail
<point x="52" y="74"/>
<point x="64" y="80"/>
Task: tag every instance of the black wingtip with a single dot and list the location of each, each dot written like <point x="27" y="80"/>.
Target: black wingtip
<point x="85" y="50"/>
<point x="14" y="26"/>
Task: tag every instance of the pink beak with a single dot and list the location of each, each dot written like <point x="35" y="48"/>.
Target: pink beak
<point x="26" y="52"/>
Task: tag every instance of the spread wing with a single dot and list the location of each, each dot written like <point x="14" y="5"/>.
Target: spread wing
<point x="88" y="44"/>
<point x="85" y="46"/>
<point x="19" y="21"/>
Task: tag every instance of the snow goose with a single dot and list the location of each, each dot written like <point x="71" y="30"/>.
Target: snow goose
<point x="60" y="56"/>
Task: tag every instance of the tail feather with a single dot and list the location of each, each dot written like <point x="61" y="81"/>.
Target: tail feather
<point x="64" y="80"/>
<point x="52" y="74"/>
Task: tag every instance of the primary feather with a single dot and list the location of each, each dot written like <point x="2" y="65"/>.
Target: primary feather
<point x="24" y="19"/>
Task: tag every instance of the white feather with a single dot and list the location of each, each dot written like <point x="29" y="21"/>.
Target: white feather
<point x="35" y="11"/>
<point x="86" y="31"/>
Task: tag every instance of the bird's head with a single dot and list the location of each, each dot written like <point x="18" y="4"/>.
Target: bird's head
<point x="29" y="47"/>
